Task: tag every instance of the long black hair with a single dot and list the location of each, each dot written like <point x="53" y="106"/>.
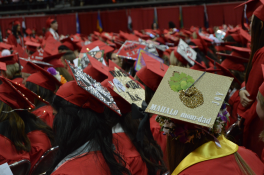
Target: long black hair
<point x="74" y="126"/>
<point x="15" y="32"/>
<point x="151" y="153"/>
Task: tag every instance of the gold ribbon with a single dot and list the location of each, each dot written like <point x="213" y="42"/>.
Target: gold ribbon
<point x="207" y="151"/>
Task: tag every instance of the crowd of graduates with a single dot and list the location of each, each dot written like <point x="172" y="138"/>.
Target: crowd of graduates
<point x="88" y="95"/>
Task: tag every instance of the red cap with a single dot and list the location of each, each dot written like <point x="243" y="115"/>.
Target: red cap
<point x="230" y="64"/>
<point x="16" y="22"/>
<point x="49" y="21"/>
<point x="255" y="7"/>
<point x="69" y="43"/>
<point x="10" y="59"/>
<point x="152" y="74"/>
<point x="13" y="97"/>
<point x="224" y="71"/>
<point x="86" y="92"/>
<point x="129" y="50"/>
<point x="100" y="44"/>
<point x="32" y="46"/>
<point x="42" y="77"/>
<point x="261" y="88"/>
<point x="96" y="69"/>
<point x="52" y="45"/>
<point x="28" y="31"/>
<point x="55" y="60"/>
<point x="38" y="55"/>
<point x="2" y="66"/>
<point x="5" y="46"/>
<point x="179" y="57"/>
<point x="28" y="93"/>
<point x="240" y="51"/>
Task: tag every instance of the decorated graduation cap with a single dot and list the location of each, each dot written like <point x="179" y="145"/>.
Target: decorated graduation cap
<point x="261" y="88"/>
<point x="38" y="55"/>
<point x="55" y="60"/>
<point x="100" y="44"/>
<point x="96" y="69"/>
<point x="41" y="77"/>
<point x="190" y="96"/>
<point x="124" y="88"/>
<point x="30" y="95"/>
<point x="13" y="97"/>
<point x="152" y="73"/>
<point x="85" y="92"/>
<point x="140" y="59"/>
<point x="129" y="50"/>
<point x="10" y="59"/>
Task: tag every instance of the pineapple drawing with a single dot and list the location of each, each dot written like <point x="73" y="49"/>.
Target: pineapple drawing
<point x="180" y="82"/>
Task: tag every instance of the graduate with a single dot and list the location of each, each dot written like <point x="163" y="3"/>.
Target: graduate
<point x="253" y="80"/>
<point x="141" y="158"/>
<point x="191" y="112"/>
<point x="52" y="26"/>
<point x="16" y="37"/>
<point x="30" y="136"/>
<point x="81" y="130"/>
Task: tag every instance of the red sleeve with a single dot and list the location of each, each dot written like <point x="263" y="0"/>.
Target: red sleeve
<point x="47" y="34"/>
<point x="40" y="143"/>
<point x="8" y="152"/>
<point x="12" y="40"/>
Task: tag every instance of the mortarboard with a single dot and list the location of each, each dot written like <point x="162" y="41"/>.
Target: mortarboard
<point x="5" y="46"/>
<point x="55" y="60"/>
<point x="49" y="21"/>
<point x="100" y="44"/>
<point x="32" y="46"/>
<point x="85" y="92"/>
<point x="51" y="46"/>
<point x="10" y="59"/>
<point x="96" y="69"/>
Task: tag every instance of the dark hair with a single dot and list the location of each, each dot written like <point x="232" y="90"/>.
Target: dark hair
<point x="171" y="25"/>
<point x="69" y="55"/>
<point x="65" y="73"/>
<point x="44" y="93"/>
<point x="15" y="32"/>
<point x="16" y="131"/>
<point x="257" y="41"/>
<point x="128" y="66"/>
<point x="74" y="126"/>
<point x="151" y="153"/>
<point x="63" y="47"/>
<point x="54" y="21"/>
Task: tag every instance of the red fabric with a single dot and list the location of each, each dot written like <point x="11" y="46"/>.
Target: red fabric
<point x="159" y="137"/>
<point x="45" y="113"/>
<point x="193" y="12"/>
<point x="93" y="163"/>
<point x="40" y="143"/>
<point x="12" y="40"/>
<point x="18" y="81"/>
<point x="254" y="81"/>
<point x="130" y="154"/>
<point x="47" y="35"/>
<point x="227" y="164"/>
<point x="232" y="109"/>
<point x="64" y="21"/>
<point x="232" y="16"/>
<point x="166" y="14"/>
<point x="8" y="152"/>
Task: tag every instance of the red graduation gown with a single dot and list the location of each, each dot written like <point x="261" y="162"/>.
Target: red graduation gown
<point x="18" y="80"/>
<point x="159" y="137"/>
<point x="45" y="113"/>
<point x="8" y="152"/>
<point x="93" y="163"/>
<point x="130" y="154"/>
<point x="13" y="41"/>
<point x="226" y="165"/>
<point x="234" y="101"/>
<point x="253" y="125"/>
<point x="40" y="143"/>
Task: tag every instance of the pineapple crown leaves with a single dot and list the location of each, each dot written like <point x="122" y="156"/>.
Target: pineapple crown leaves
<point x="180" y="81"/>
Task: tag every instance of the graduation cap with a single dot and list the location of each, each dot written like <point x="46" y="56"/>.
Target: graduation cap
<point x="32" y="46"/>
<point x="96" y="69"/>
<point x="13" y="97"/>
<point x="21" y="51"/>
<point x="124" y="88"/>
<point x="186" y="95"/>
<point x="100" y="44"/>
<point x="129" y="50"/>
<point x="10" y="59"/>
<point x="68" y="42"/>
<point x="223" y="71"/>
<point x="240" y="51"/>
<point x="85" y="92"/>
<point x="30" y="95"/>
<point x="51" y="46"/>
<point x="55" y="60"/>
<point x="5" y="46"/>
<point x="49" y="22"/>
<point x="152" y="73"/>
<point x="38" y="55"/>
<point x="255" y="7"/>
<point x="28" y="31"/>
<point x="41" y="77"/>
